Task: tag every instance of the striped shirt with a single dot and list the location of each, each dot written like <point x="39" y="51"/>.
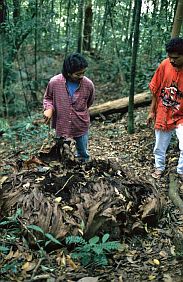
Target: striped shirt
<point x="71" y="115"/>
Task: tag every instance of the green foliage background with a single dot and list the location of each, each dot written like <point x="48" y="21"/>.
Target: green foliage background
<point x="35" y="36"/>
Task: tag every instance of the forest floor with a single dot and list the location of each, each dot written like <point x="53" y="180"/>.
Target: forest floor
<point x="135" y="153"/>
<point x="153" y="255"/>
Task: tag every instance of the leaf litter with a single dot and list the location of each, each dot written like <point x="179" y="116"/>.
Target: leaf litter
<point x="113" y="193"/>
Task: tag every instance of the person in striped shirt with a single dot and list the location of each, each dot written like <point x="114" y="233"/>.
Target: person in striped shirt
<point x="67" y="99"/>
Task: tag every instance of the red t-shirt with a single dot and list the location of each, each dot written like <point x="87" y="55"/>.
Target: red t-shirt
<point x="167" y="85"/>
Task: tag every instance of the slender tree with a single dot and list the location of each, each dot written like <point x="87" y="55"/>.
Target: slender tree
<point x="132" y="28"/>
<point x="34" y="95"/>
<point x="2" y="35"/>
<point x="67" y="27"/>
<point x="128" y="16"/>
<point x="133" y="68"/>
<point x="81" y="25"/>
<point x="88" y="26"/>
<point x="104" y="23"/>
<point x="16" y="11"/>
<point x="178" y="19"/>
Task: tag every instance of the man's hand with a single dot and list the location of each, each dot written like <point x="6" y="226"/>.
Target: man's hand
<point x="48" y="115"/>
<point x="150" y="118"/>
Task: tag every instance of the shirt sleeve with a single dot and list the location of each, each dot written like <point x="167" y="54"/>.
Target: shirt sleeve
<point x="156" y="81"/>
<point x="48" y="97"/>
<point x="91" y="96"/>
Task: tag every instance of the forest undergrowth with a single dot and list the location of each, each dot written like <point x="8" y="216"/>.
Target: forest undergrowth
<point x="143" y="241"/>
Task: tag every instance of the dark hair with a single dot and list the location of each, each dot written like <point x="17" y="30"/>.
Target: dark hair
<point x="73" y="63"/>
<point x="175" y="45"/>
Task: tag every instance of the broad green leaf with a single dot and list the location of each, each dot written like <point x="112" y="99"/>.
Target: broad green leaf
<point x="105" y="237"/>
<point x="94" y="240"/>
<point x="36" y="228"/>
<point x="51" y="238"/>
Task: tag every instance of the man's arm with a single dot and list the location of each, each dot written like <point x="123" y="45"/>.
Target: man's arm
<point x="48" y="104"/>
<point x="152" y="112"/>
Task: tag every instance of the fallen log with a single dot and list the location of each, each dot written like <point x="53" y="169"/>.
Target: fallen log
<point x="120" y="105"/>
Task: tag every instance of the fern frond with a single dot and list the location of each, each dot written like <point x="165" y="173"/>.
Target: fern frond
<point x="100" y="260"/>
<point x="76" y="256"/>
<point x="92" y="252"/>
<point x="87" y="248"/>
<point x="98" y="249"/>
<point x="75" y="240"/>
<point x="86" y="259"/>
<point x="114" y="245"/>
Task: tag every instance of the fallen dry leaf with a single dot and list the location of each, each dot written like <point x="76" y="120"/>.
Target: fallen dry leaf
<point x="88" y="279"/>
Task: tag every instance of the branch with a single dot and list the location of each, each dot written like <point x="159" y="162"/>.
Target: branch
<point x="173" y="193"/>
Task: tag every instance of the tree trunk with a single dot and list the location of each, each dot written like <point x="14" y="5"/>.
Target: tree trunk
<point x="34" y="92"/>
<point x="132" y="29"/>
<point x="102" y="35"/>
<point x="133" y="68"/>
<point x="67" y="27"/>
<point x="2" y="33"/>
<point x="87" y="27"/>
<point x="177" y="20"/>
<point x="128" y="19"/>
<point x="81" y="25"/>
<point x="120" y="105"/>
<point x="16" y="11"/>
<point x="1" y="70"/>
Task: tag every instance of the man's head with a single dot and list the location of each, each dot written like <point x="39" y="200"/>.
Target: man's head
<point x="174" y="49"/>
<point x="74" y="67"/>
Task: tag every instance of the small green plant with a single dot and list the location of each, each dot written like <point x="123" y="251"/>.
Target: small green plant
<point x="12" y="234"/>
<point x="15" y="223"/>
<point x="93" y="252"/>
<point x="47" y="237"/>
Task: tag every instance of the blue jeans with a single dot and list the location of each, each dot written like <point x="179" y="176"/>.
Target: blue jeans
<point x="162" y="141"/>
<point x="82" y="147"/>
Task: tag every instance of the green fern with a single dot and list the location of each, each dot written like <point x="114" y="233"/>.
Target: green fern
<point x="75" y="240"/>
<point x="93" y="252"/>
<point x="109" y="246"/>
<point x="101" y="260"/>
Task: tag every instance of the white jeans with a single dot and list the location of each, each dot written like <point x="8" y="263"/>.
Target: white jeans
<point x="162" y="141"/>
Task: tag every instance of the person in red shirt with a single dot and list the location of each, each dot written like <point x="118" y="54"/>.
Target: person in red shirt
<point x="67" y="100"/>
<point x="167" y="105"/>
